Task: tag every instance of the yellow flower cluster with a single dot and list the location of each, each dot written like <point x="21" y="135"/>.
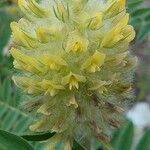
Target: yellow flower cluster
<point x="73" y="63"/>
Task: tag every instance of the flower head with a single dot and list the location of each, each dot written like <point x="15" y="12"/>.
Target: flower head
<point x="72" y="56"/>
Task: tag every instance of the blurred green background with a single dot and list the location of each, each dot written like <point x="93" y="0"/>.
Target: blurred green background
<point x="13" y="119"/>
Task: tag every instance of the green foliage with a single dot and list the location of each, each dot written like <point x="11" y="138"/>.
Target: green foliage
<point x="45" y="136"/>
<point x="123" y="139"/>
<point x="11" y="118"/>
<point x="144" y="143"/>
<point x="5" y="61"/>
<point x="38" y="137"/>
<point x="6" y="2"/>
<point x="10" y="141"/>
<point x="143" y="80"/>
<point x="77" y="146"/>
<point x="5" y="67"/>
<point x="5" y="20"/>
<point x="139" y="17"/>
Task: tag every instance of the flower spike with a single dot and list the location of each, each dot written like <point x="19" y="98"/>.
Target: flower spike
<point x="74" y="66"/>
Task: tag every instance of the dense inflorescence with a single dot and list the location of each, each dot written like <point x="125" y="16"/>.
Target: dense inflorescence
<point x="74" y="66"/>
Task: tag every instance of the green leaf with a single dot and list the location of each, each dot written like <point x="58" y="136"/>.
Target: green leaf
<point x="4" y="29"/>
<point x="77" y="146"/>
<point x="95" y="144"/>
<point x="147" y="18"/>
<point x="10" y="141"/>
<point x="139" y="17"/>
<point x="133" y="1"/>
<point x="114" y="140"/>
<point x="140" y="12"/>
<point x="38" y="137"/>
<point x="134" y="4"/>
<point x="11" y="117"/>
<point x="6" y="90"/>
<point x="123" y="139"/>
<point x="144" y="31"/>
<point x="144" y="143"/>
